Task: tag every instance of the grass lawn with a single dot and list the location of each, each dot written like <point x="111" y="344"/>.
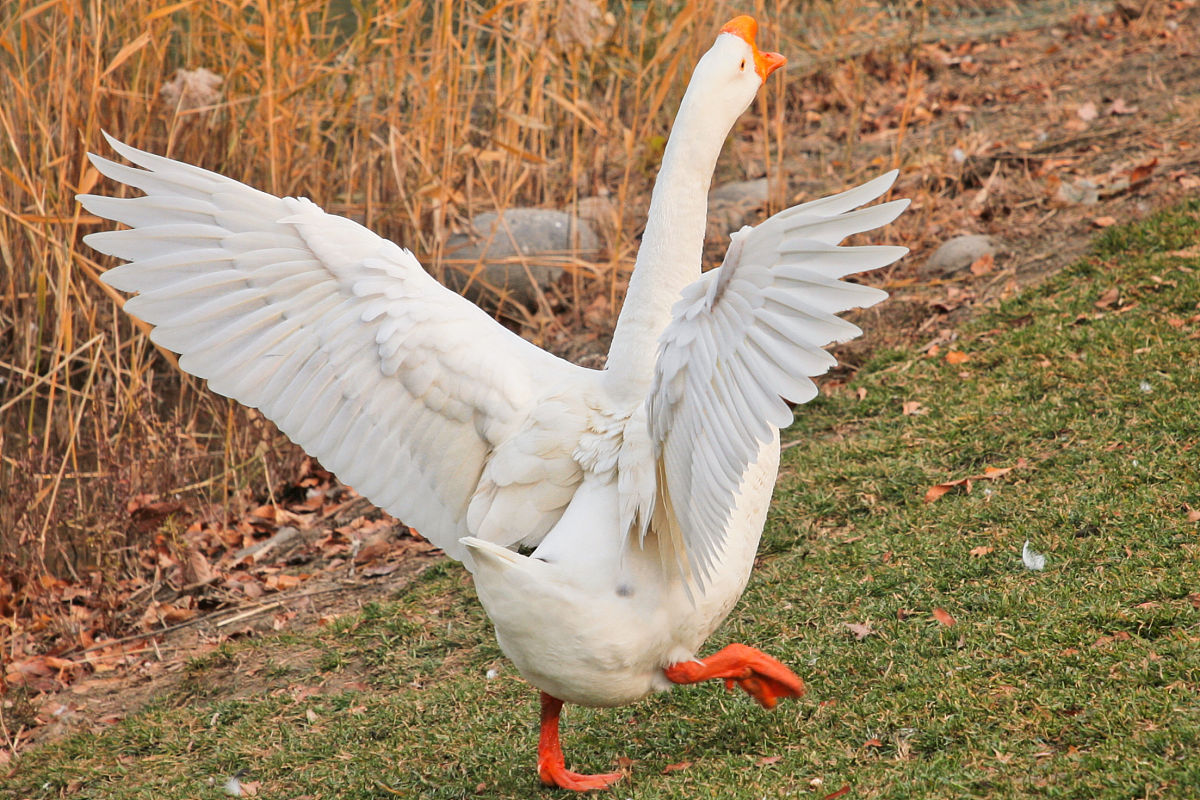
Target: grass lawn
<point x="968" y="675"/>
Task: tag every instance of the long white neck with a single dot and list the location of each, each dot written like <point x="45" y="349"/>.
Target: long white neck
<point x="673" y="244"/>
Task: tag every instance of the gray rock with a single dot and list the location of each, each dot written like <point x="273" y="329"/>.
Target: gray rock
<point x="958" y="254"/>
<point x="600" y="213"/>
<point x="1081" y="192"/>
<point x="509" y="247"/>
<point x="743" y="192"/>
<point x="732" y="205"/>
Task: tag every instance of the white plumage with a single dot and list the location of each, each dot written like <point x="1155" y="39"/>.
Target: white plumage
<point x="643" y="487"/>
<point x="344" y="341"/>
<point x="744" y="338"/>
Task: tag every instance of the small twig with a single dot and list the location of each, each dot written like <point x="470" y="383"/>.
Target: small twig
<point x="253" y="612"/>
<point x="157" y="649"/>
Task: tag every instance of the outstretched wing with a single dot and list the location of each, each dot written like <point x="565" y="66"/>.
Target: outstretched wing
<point x="744" y="338"/>
<point x="403" y="388"/>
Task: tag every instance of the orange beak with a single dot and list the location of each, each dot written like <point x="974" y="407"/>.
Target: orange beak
<point x="746" y="28"/>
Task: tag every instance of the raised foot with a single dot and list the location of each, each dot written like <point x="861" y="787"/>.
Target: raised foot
<point x="758" y="674"/>
<point x="552" y="768"/>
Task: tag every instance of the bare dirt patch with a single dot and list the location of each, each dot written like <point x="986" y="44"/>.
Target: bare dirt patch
<point x="1035" y="137"/>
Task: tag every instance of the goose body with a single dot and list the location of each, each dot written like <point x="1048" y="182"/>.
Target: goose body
<point x="642" y="488"/>
<point x="592" y="624"/>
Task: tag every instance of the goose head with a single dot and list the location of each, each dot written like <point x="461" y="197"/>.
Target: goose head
<point x="734" y="69"/>
<point x="721" y="88"/>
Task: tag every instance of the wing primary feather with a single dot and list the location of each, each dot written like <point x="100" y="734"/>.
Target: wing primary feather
<point x="847" y="200"/>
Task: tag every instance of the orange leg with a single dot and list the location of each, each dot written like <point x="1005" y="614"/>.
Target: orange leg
<point x="759" y="675"/>
<point x="552" y="768"/>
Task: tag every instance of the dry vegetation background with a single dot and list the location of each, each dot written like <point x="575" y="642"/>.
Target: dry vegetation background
<point x="123" y="484"/>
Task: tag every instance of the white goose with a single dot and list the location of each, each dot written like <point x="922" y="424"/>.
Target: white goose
<point x="643" y="487"/>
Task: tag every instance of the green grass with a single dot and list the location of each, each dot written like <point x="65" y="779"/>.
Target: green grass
<point x="1078" y="681"/>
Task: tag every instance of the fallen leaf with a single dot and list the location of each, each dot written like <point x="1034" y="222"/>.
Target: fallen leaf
<point x="983" y="265"/>
<point x="197" y="570"/>
<point x="989" y="474"/>
<point x="676" y="767"/>
<point x="982" y="550"/>
<point x="1107" y="299"/>
<point x="872" y="743"/>
<point x="943" y="617"/>
<point x="1119" y="636"/>
<point x="860" y="631"/>
<point x="1104" y="222"/>
<point x="161" y="614"/>
<point x="1193" y="514"/>
<point x="956" y="357"/>
<point x="765" y="760"/>
<point x="146" y="517"/>
<point x="284" y="582"/>
<point x="266" y="512"/>
<point x="844" y="790"/>
<point x="912" y="407"/>
<point x="1087" y="111"/>
<point x="371" y="550"/>
<point x="937" y="491"/>
<point x="59" y="663"/>
<point x="1142" y="171"/>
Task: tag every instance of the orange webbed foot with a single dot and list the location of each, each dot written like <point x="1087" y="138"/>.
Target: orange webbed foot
<point x="552" y="768"/>
<point x="758" y="674"/>
<point x="558" y="775"/>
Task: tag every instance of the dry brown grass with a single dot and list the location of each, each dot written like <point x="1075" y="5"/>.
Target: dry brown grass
<point x="408" y="116"/>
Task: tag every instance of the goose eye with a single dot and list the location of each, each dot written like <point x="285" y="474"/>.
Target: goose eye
<point x="742" y="66"/>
